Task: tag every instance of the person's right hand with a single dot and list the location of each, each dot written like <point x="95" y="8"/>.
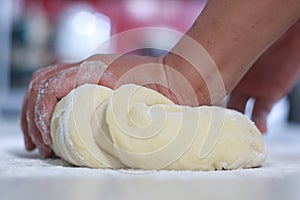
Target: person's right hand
<point x="50" y="84"/>
<point x="270" y="78"/>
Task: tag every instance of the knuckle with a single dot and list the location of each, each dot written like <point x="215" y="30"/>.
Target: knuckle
<point x="40" y="76"/>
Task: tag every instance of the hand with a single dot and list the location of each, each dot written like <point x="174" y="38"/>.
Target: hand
<point x="49" y="85"/>
<point x="270" y="78"/>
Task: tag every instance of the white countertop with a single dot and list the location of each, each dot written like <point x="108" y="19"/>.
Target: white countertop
<point x="24" y="175"/>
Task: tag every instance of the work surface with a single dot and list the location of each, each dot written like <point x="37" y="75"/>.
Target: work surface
<point x="25" y="175"/>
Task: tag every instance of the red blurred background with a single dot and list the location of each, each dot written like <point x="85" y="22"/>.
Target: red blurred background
<point x="49" y="31"/>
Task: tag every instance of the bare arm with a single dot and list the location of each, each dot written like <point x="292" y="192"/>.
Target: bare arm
<point x="234" y="33"/>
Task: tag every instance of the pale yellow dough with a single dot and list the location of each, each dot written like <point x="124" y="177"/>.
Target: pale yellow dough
<point x="71" y="129"/>
<point x="136" y="127"/>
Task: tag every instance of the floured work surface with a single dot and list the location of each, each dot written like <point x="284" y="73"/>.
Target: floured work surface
<point x="24" y="175"/>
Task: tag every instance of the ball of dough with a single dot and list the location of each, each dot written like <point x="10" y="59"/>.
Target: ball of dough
<point x="139" y="128"/>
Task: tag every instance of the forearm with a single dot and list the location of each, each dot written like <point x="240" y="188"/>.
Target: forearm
<point x="285" y="53"/>
<point x="234" y="33"/>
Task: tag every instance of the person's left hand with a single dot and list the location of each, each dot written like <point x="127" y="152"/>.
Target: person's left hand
<point x="51" y="84"/>
<point x="270" y="78"/>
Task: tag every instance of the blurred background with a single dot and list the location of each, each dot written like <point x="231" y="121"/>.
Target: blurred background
<point x="37" y="33"/>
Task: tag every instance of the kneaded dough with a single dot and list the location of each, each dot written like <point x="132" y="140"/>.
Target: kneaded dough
<point x="71" y="130"/>
<point x="136" y="127"/>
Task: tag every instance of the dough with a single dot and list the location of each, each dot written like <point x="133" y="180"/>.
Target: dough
<point x="71" y="130"/>
<point x="136" y="127"/>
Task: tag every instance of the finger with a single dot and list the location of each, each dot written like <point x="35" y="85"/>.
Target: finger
<point x="59" y="85"/>
<point x="29" y="145"/>
<point x="45" y="104"/>
<point x="237" y="101"/>
<point x="32" y="129"/>
<point x="108" y="77"/>
<point x="259" y="114"/>
<point x="54" y="85"/>
<point x="90" y="71"/>
<point x="50" y="92"/>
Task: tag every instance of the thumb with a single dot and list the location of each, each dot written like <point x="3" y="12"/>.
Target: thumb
<point x="260" y="113"/>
